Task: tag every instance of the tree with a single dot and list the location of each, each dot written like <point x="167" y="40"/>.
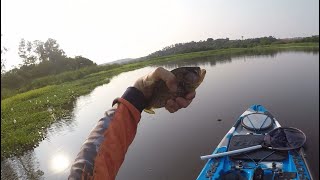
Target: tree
<point x="26" y="52"/>
<point x="3" y="51"/>
<point x="22" y="49"/>
<point x="53" y="50"/>
<point x="31" y="58"/>
<point x="39" y="49"/>
<point x="49" y="50"/>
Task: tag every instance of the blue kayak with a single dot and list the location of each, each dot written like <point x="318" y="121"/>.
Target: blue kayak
<point x="268" y="164"/>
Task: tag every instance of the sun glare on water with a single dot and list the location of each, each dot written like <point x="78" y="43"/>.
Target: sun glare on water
<point x="59" y="162"/>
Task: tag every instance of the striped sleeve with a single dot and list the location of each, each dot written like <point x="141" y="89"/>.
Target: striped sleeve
<point x="103" y="152"/>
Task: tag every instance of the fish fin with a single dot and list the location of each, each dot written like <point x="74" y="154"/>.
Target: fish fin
<point x="150" y="111"/>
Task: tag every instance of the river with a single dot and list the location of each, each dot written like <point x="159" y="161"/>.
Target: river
<point x="168" y="146"/>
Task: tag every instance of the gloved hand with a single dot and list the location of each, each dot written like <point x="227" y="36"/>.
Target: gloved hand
<point x="146" y="85"/>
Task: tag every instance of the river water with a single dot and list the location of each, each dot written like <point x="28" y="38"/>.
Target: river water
<point x="168" y="146"/>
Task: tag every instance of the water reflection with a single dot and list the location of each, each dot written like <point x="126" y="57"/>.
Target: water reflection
<point x="59" y="162"/>
<point x="227" y="74"/>
<point x="23" y="167"/>
<point x="66" y="122"/>
<point x="227" y="58"/>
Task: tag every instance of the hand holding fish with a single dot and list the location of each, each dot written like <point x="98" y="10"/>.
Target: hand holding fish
<point x="170" y="89"/>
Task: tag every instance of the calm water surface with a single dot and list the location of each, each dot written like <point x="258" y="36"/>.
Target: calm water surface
<point x="168" y="146"/>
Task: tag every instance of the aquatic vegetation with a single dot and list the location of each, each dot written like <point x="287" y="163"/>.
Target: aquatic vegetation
<point x="30" y="118"/>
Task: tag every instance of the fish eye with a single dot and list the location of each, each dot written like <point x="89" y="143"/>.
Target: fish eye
<point x="195" y="71"/>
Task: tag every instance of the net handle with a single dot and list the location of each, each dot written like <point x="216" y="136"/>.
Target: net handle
<point x="231" y="152"/>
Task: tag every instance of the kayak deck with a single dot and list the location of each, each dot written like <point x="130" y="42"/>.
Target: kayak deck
<point x="266" y="164"/>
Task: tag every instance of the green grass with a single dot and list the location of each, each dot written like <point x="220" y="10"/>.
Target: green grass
<point x="25" y="117"/>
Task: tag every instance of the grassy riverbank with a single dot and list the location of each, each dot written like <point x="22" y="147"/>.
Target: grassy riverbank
<point x="25" y="117"/>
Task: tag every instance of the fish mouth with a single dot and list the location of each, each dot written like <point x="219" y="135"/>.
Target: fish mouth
<point x="202" y="74"/>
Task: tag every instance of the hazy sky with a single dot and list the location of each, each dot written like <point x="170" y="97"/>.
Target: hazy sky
<point x="105" y="31"/>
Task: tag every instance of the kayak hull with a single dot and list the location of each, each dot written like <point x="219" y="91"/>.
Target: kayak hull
<point x="249" y="130"/>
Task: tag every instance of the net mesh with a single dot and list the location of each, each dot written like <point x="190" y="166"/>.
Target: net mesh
<point x="285" y="138"/>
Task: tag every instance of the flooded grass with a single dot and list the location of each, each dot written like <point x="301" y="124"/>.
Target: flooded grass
<point x="25" y="117"/>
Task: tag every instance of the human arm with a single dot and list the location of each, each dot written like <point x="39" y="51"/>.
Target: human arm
<point x="104" y="150"/>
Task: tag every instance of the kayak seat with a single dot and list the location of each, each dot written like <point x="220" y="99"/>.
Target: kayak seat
<point x="243" y="141"/>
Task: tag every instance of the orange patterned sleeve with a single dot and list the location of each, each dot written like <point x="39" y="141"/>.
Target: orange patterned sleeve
<point x="103" y="152"/>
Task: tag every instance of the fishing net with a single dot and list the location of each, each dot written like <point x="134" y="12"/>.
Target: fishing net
<point x="281" y="138"/>
<point x="285" y="138"/>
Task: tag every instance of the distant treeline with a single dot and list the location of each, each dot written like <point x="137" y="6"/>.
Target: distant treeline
<point x="213" y="44"/>
<point x="40" y="59"/>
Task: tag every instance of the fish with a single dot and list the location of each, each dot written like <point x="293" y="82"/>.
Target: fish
<point x="188" y="80"/>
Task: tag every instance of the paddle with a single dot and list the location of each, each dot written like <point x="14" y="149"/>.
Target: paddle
<point x="281" y="138"/>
